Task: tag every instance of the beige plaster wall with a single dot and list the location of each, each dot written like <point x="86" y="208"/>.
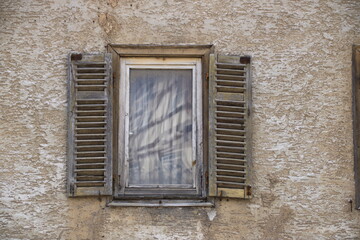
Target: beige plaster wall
<point x="302" y="151"/>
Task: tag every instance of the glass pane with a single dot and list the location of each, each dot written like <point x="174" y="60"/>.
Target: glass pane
<point x="160" y="127"/>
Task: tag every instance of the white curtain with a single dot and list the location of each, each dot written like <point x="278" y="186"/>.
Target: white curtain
<point x="160" y="127"/>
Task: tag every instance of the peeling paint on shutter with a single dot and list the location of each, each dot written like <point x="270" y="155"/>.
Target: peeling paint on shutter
<point x="89" y="124"/>
<point x="229" y="126"/>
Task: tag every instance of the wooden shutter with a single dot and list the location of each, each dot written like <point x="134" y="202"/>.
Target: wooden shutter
<point x="356" y="119"/>
<point x="229" y="126"/>
<point x="89" y="124"/>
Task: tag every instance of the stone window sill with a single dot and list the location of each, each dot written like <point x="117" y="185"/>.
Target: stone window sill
<point x="160" y="203"/>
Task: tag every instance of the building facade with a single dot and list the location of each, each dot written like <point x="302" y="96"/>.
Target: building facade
<point x="302" y="165"/>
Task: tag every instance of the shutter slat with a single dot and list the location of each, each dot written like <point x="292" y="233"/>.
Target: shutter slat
<point x="229" y="120"/>
<point x="90" y="125"/>
<point x="90" y="105"/>
<point x="229" y="102"/>
<point x="230" y="65"/>
<point x="84" y="177"/>
<point x="231" y="108"/>
<point x="91" y="128"/>
<point x="229" y="127"/>
<point x="234" y="131"/>
<point x="91" y="80"/>
<point x="229" y="137"/>
<point x="89" y="74"/>
<point x="89" y="117"/>
<point x="90" y="146"/>
<point x="89" y="170"/>
<point x="90" y="135"/>
<point x="230" y="166"/>
<point x="90" y="69"/>
<point x="89" y="182"/>
<point x="90" y="140"/>
<point x="227" y="148"/>
<point x="232" y="183"/>
<point x="234" y="89"/>
<point x="229" y="143"/>
<point x="225" y="171"/>
<point x="230" y="83"/>
<point x="229" y="77"/>
<point x="87" y="165"/>
<point x="230" y="155"/>
<point x="227" y="71"/>
<point x="91" y="87"/>
<point x="90" y="111"/>
<point x="233" y="160"/>
<point x="235" y="114"/>
<point x="234" y="178"/>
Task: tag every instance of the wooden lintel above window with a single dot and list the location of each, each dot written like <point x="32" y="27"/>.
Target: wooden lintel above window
<point x="162" y="50"/>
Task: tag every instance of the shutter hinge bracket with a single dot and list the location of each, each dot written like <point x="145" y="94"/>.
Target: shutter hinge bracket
<point x="207" y="178"/>
<point x="220" y="195"/>
<point x="248" y="191"/>
<point x="99" y="196"/>
<point x="72" y="190"/>
<point x="207" y="76"/>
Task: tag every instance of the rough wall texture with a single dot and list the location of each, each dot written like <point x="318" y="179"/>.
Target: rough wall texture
<point x="302" y="151"/>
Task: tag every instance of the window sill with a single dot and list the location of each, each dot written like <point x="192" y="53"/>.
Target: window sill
<point x="162" y="203"/>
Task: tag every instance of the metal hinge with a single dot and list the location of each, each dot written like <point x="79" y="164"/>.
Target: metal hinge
<point x="248" y="191"/>
<point x="207" y="76"/>
<point x="72" y="190"/>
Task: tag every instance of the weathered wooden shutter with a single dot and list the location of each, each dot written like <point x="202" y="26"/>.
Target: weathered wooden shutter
<point x="356" y="119"/>
<point x="230" y="128"/>
<point x="89" y="124"/>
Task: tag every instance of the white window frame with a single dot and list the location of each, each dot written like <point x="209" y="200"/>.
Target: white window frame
<point x="163" y="191"/>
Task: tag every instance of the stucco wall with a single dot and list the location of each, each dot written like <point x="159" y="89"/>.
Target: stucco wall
<point x="302" y="150"/>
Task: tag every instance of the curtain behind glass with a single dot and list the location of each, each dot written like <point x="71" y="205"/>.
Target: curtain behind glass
<point x="160" y="127"/>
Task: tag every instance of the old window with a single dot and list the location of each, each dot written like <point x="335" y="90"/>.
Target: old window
<point x="159" y="122"/>
<point x="161" y="117"/>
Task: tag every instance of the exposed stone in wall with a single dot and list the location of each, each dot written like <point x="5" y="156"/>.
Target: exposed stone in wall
<point x="302" y="153"/>
<point x="113" y="3"/>
<point x="108" y="23"/>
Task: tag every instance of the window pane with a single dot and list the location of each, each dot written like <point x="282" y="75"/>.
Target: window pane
<point x="160" y="127"/>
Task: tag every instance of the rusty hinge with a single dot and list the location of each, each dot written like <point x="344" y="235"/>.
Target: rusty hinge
<point x="99" y="196"/>
<point x="207" y="178"/>
<point x="76" y="57"/>
<point x="220" y="195"/>
<point x="72" y="190"/>
<point x="248" y="191"/>
<point x="207" y="76"/>
<point x="245" y="59"/>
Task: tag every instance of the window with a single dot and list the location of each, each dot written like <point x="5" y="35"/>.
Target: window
<point x="159" y="123"/>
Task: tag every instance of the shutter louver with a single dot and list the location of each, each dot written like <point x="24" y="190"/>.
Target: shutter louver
<point x="90" y="124"/>
<point x="229" y="133"/>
